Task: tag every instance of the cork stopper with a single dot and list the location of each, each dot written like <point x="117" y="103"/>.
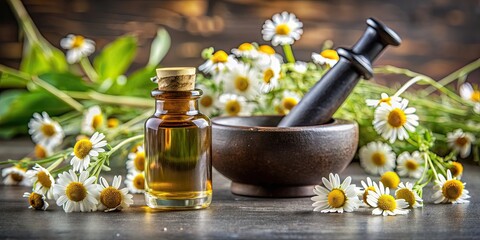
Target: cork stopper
<point x="176" y="79"/>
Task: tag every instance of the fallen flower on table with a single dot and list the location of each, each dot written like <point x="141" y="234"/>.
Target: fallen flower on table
<point x="76" y="193"/>
<point x="42" y="180"/>
<point x="112" y="197"/>
<point x="384" y="203"/>
<point x="335" y="197"/>
<point x="449" y="190"/>
<point x="406" y="192"/>
<point x="37" y="201"/>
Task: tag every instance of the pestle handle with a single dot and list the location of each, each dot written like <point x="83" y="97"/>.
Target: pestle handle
<point x="328" y="94"/>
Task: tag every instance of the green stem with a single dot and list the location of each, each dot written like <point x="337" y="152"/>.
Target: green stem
<point x="287" y="50"/>
<point x="111" y="99"/>
<point x="427" y="158"/>
<point x="55" y="164"/>
<point x="88" y="69"/>
<point x="123" y="143"/>
<point x="425" y="170"/>
<point x="455" y="75"/>
<point x="407" y="85"/>
<point x="58" y="93"/>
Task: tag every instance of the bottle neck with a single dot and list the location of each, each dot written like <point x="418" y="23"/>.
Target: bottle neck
<point x="176" y="106"/>
<point x="176" y="102"/>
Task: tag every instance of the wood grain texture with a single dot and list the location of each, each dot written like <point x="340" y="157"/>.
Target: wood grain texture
<point x="236" y="217"/>
<point x="439" y="36"/>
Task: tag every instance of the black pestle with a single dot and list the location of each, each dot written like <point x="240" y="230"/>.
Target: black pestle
<point x="326" y="96"/>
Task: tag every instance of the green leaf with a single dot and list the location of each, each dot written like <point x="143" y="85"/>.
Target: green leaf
<point x="65" y="81"/>
<point x="18" y="106"/>
<point x="137" y="84"/>
<point x="37" y="61"/>
<point x="10" y="79"/>
<point x="159" y="48"/>
<point x="115" y="58"/>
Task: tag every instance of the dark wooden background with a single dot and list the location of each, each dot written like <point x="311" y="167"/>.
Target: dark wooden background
<point x="439" y="35"/>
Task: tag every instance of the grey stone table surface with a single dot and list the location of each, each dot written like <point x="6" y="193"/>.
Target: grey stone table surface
<point x="237" y="217"/>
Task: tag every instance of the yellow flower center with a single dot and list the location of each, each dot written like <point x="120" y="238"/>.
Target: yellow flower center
<point x="139" y="181"/>
<point x="44" y="179"/>
<point x="387" y="202"/>
<point x="47" y="129"/>
<point x="268" y="75"/>
<point x="40" y="151"/>
<point x="330" y="54"/>
<point x="407" y="195"/>
<point x="289" y="103"/>
<point x="336" y="198"/>
<point x="97" y="121"/>
<point x="452" y="189"/>
<point x="16" y="177"/>
<point x="282" y="29"/>
<point x="78" y="41"/>
<point x="461" y="141"/>
<point x="82" y="148"/>
<point x="456" y="169"/>
<point x="219" y="56"/>
<point x="365" y="194"/>
<point x="76" y="191"/>
<point x="411" y="164"/>
<point x="241" y="83"/>
<point x="139" y="161"/>
<point x="386" y="100"/>
<point x="36" y="201"/>
<point x="232" y="107"/>
<point x="475" y="96"/>
<point x="206" y="101"/>
<point x="397" y="118"/>
<point x="113" y="123"/>
<point x="390" y="179"/>
<point x="266" y="49"/>
<point x="379" y="159"/>
<point x="246" y="47"/>
<point x="111" y="197"/>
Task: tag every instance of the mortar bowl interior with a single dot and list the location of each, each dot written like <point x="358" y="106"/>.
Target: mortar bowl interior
<point x="263" y="160"/>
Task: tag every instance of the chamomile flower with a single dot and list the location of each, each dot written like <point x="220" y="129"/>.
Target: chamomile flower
<point x="270" y="76"/>
<point x="390" y="179"/>
<point x="113" y="122"/>
<point x="368" y="186"/>
<point x="93" y="120"/>
<point x="449" y="190"/>
<point x="15" y="175"/>
<point x="45" y="131"/>
<point x="76" y="193"/>
<point x="405" y="191"/>
<point x="42" y="181"/>
<point x="393" y="121"/>
<point x="37" y="201"/>
<point x="267" y="56"/>
<point x="208" y="101"/>
<point x="289" y="101"/>
<point x="246" y="50"/>
<point x="460" y="141"/>
<point x="41" y="151"/>
<point x="410" y="165"/>
<point x="85" y="149"/>
<point x="136" y="160"/>
<point x="384" y="203"/>
<point x="456" y="169"/>
<point x="242" y="80"/>
<point x="234" y="105"/>
<point x="384" y="98"/>
<point x="335" y="197"/>
<point x="135" y="182"/>
<point x="112" y="197"/>
<point x="326" y="57"/>
<point x="468" y="93"/>
<point x="377" y="158"/>
<point x="283" y="29"/>
<point x="218" y="62"/>
<point x="78" y="47"/>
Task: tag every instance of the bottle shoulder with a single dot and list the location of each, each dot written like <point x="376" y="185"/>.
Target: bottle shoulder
<point x="177" y="121"/>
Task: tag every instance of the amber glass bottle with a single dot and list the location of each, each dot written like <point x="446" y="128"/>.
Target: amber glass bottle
<point x="178" y="168"/>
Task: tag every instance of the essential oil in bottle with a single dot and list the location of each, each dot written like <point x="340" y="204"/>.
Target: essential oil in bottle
<point x="178" y="167"/>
